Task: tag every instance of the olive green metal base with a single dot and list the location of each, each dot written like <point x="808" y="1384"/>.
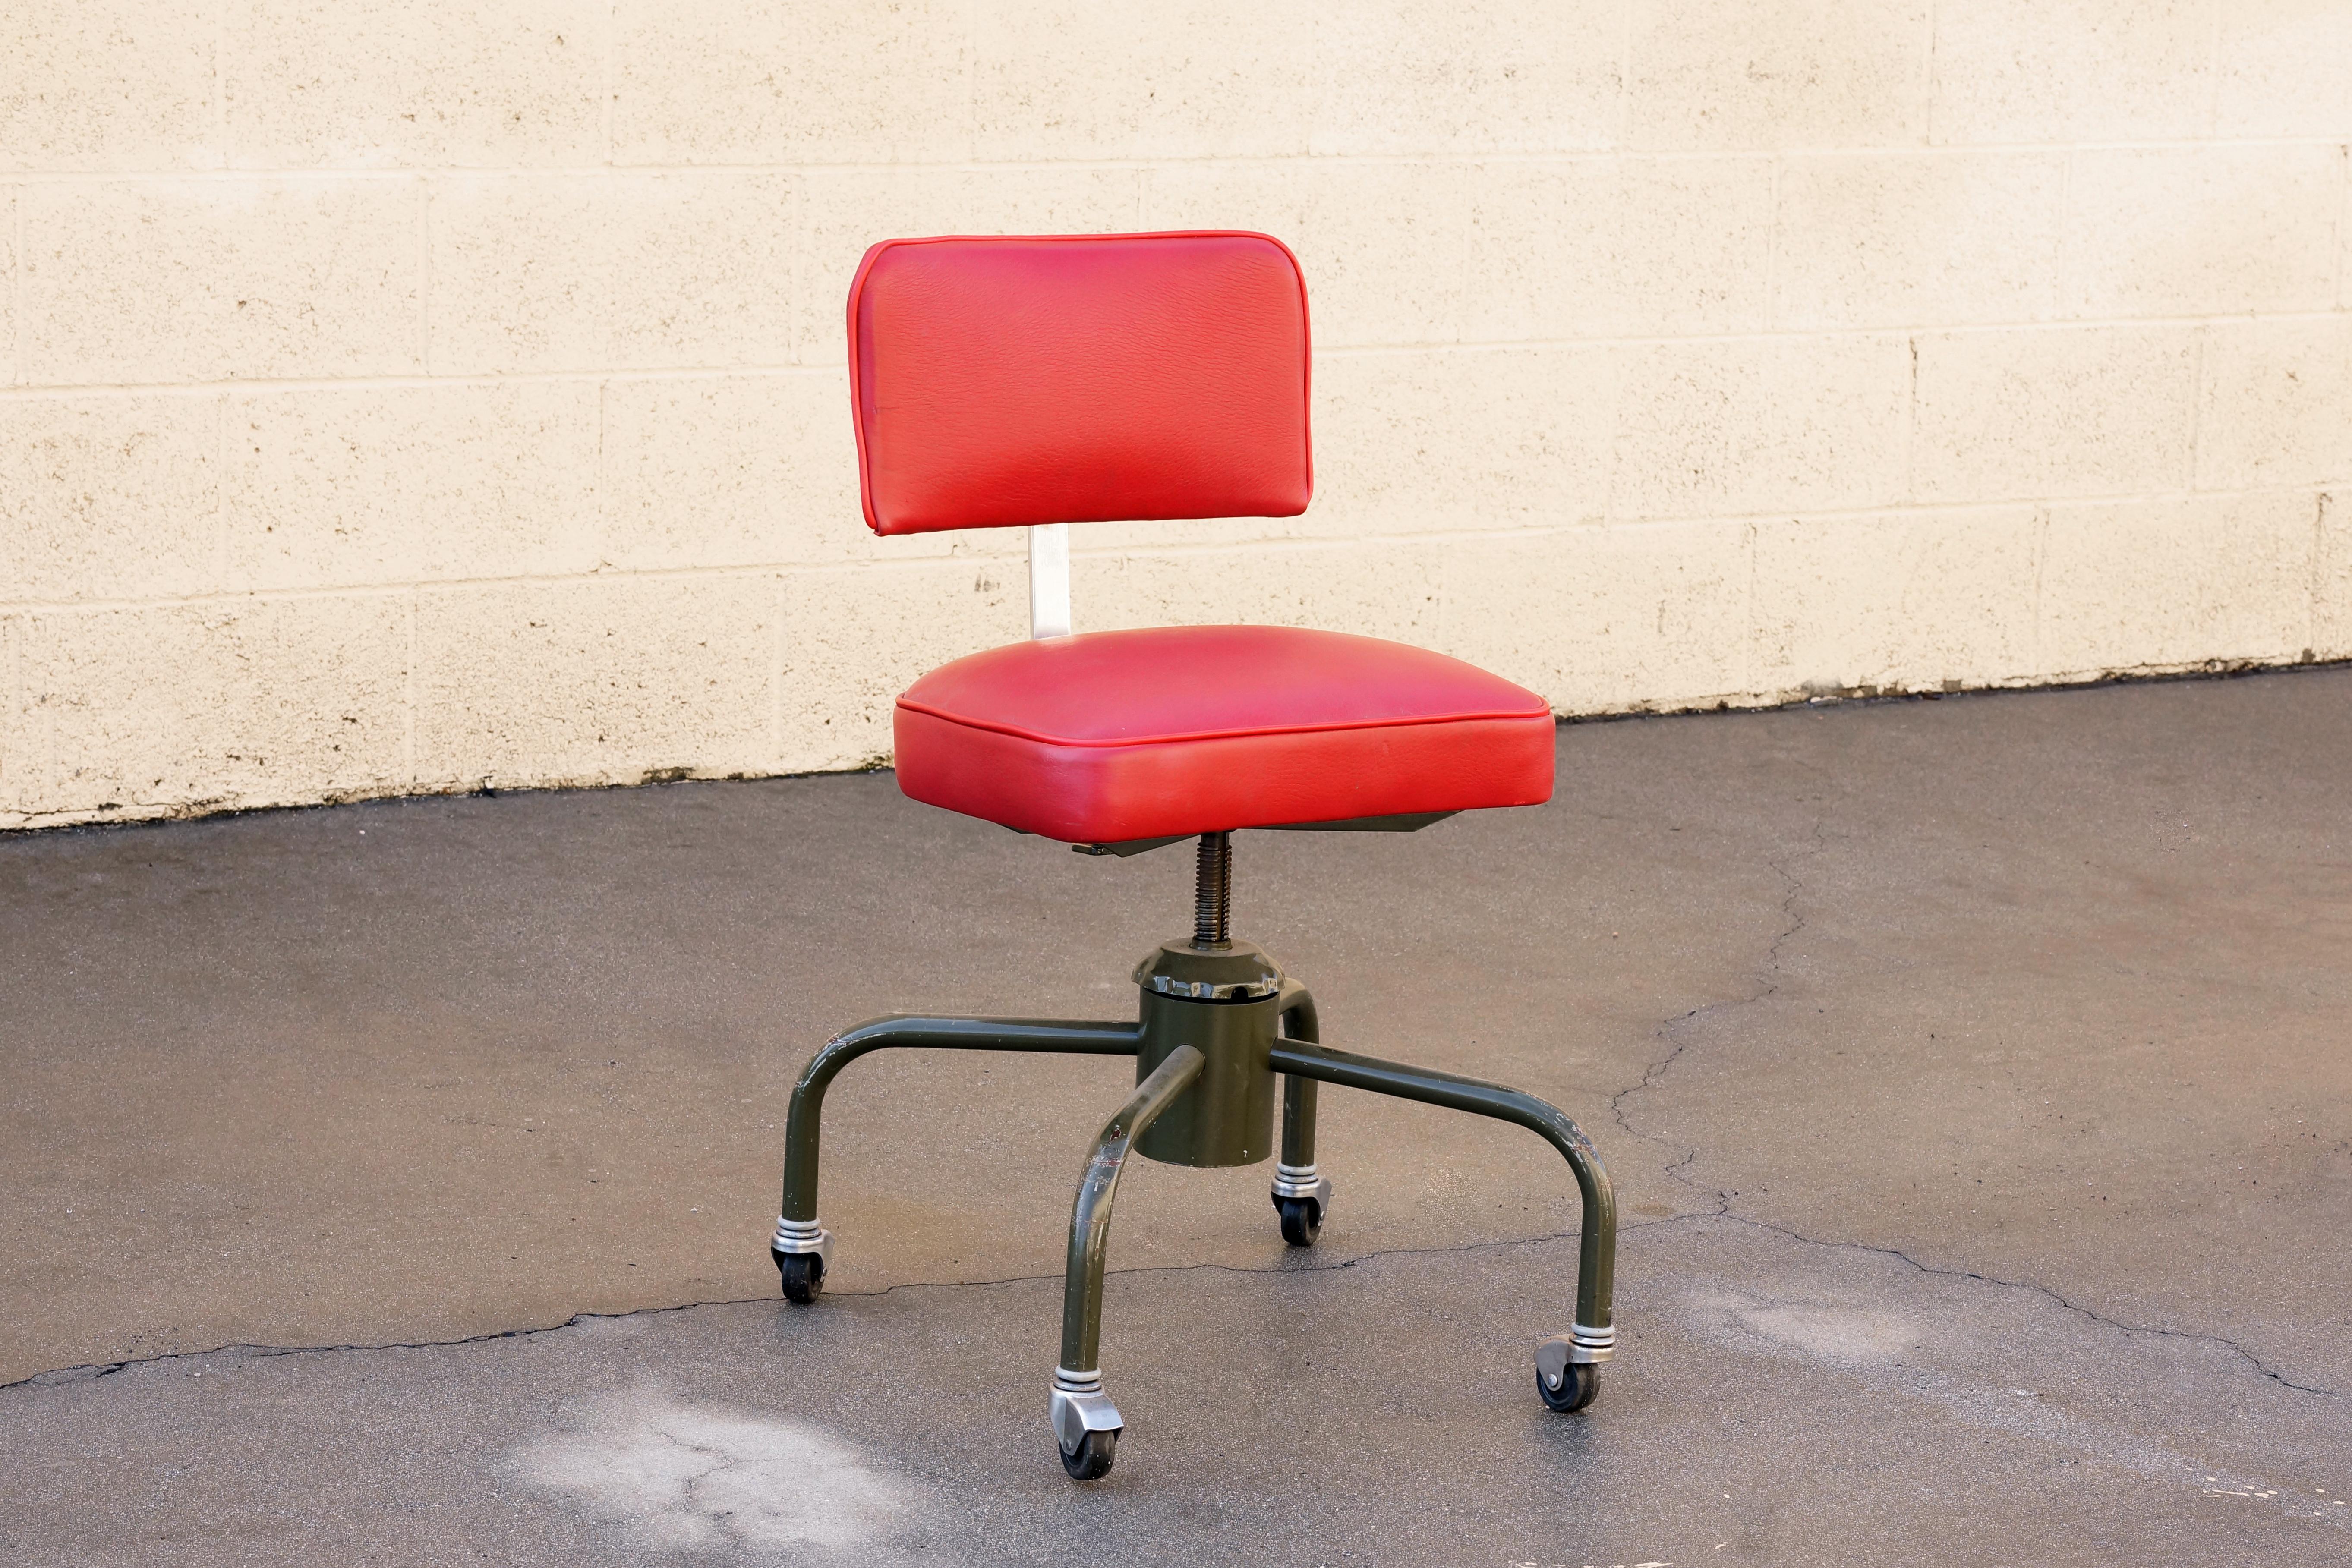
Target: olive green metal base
<point x="1218" y="1023"/>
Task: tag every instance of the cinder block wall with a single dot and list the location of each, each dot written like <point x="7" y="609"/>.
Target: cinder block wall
<point x="410" y="394"/>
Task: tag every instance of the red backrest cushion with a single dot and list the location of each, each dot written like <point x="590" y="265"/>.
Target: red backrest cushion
<point x="1078" y="378"/>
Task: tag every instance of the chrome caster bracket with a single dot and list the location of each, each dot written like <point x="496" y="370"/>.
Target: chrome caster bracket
<point x="1580" y="1346"/>
<point x="1303" y="1199"/>
<point x="798" y="1237"/>
<point x="1306" y="1182"/>
<point x="1087" y="1424"/>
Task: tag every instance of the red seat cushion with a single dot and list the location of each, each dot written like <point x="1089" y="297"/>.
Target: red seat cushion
<point x="1193" y="729"/>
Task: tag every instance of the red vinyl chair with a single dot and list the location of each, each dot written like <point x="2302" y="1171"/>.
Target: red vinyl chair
<point x="1039" y="382"/>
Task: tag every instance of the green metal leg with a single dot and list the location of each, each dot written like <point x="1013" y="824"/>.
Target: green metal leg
<point x="1593" y="1335"/>
<point x="1079" y="1405"/>
<point x="1302" y="1193"/>
<point x="801" y="1246"/>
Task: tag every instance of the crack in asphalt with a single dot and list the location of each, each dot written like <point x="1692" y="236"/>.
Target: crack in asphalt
<point x="97" y="1369"/>
<point x="1768" y="985"/>
<point x="106" y="1369"/>
<point x="2037" y="1288"/>
<point x="721" y="1462"/>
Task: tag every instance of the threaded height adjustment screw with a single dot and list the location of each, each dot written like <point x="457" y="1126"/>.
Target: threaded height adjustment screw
<point x="1213" y="893"/>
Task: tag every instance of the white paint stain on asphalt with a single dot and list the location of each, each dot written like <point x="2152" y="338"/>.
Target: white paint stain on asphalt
<point x="692" y="1476"/>
<point x="1820" y="1332"/>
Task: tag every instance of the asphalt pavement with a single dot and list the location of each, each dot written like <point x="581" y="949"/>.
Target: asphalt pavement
<point x="390" y="1183"/>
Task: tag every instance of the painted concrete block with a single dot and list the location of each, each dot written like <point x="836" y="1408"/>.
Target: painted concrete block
<point x="2171" y="583"/>
<point x="2277" y="403"/>
<point x="1603" y="619"/>
<point x="7" y="285"/>
<point x="328" y="487"/>
<point x="109" y="84"/>
<point x="1730" y="427"/>
<point x="2331" y="576"/>
<point x="2284" y="68"/>
<point x="1872" y="239"/>
<point x="1483" y="75"/>
<point x="780" y="81"/>
<point x="23" y="768"/>
<point x="2078" y="411"/>
<point x="597" y="682"/>
<point x="169" y="281"/>
<point x="1723" y="74"/>
<point x="1896" y="600"/>
<point x="150" y="709"/>
<point x="855" y="637"/>
<point x="2012" y="71"/>
<point x="565" y="272"/>
<point x="1615" y="247"/>
<point x="1382" y="588"/>
<point x="108" y="497"/>
<point x="1056" y="79"/>
<point x="2197" y="231"/>
<point x="481" y="84"/>
<point x="1418" y="440"/>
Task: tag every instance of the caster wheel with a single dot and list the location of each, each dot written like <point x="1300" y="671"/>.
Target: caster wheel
<point x="1091" y="1461"/>
<point x="1578" y="1386"/>
<point x="803" y="1275"/>
<point x="1302" y="1218"/>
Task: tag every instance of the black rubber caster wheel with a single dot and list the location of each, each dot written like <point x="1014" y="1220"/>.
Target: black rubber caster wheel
<point x="803" y="1275"/>
<point x="1302" y="1219"/>
<point x="1578" y="1386"/>
<point x="1091" y="1461"/>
